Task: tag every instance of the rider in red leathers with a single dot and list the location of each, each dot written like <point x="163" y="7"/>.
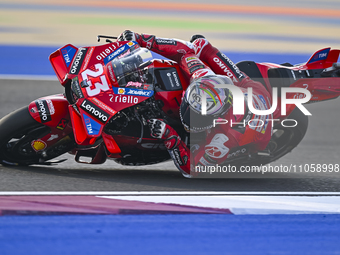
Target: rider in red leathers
<point x="206" y="67"/>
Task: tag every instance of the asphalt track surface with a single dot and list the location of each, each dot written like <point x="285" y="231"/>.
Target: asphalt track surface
<point x="320" y="146"/>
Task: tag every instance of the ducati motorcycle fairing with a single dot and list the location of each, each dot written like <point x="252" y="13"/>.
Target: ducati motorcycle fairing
<point x="111" y="91"/>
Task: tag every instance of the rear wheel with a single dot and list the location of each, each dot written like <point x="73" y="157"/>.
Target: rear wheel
<point x="284" y="139"/>
<point x="17" y="131"/>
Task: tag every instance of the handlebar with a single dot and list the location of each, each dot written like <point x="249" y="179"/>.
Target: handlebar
<point x="106" y="37"/>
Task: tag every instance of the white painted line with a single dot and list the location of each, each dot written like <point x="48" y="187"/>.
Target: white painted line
<point x="165" y="193"/>
<point x="28" y="77"/>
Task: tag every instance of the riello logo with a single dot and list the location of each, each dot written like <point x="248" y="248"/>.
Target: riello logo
<point x="238" y="100"/>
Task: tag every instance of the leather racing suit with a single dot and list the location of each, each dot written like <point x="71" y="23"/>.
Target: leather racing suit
<point x="240" y="137"/>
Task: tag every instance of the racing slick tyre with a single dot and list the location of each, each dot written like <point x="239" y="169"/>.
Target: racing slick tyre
<point x="284" y="139"/>
<point x="17" y="131"/>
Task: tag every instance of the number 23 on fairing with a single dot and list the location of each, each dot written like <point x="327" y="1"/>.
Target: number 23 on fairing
<point x="97" y="87"/>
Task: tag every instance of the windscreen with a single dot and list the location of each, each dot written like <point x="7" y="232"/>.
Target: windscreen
<point x="131" y="69"/>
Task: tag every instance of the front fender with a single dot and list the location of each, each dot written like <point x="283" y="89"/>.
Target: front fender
<point x="51" y="111"/>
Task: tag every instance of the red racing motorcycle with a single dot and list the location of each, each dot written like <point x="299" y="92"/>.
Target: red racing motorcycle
<point x="112" y="90"/>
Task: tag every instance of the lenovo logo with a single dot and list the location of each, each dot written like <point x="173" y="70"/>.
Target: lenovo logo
<point x="94" y="111"/>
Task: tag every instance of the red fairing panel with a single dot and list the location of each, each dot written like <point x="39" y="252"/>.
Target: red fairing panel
<point x="51" y="111"/>
<point x="61" y="61"/>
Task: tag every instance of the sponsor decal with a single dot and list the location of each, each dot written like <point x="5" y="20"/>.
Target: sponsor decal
<point x="107" y="51"/>
<point x="76" y="88"/>
<point x="322" y="55"/>
<point x="50" y="106"/>
<point x="228" y="66"/>
<point x="236" y="152"/>
<point x="121" y="91"/>
<point x="103" y="106"/>
<point x="124" y="99"/>
<point x="68" y="53"/>
<point x="188" y="59"/>
<point x="118" y="52"/>
<point x="43" y="110"/>
<point x="88" y="57"/>
<point x="38" y="145"/>
<point x="62" y="124"/>
<point x="92" y="126"/>
<point x="163" y="41"/>
<point x="78" y="60"/>
<point x="133" y="92"/>
<point x="95" y="111"/>
<point x="111" y="73"/>
<point x="193" y="63"/>
<point x="216" y="148"/>
<point x="177" y="156"/>
<point x="134" y="84"/>
<point x="124" y="54"/>
<point x="195" y="68"/>
<point x="138" y="92"/>
<point x="174" y="79"/>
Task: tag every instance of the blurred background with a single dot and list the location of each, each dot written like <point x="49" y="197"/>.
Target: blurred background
<point x="264" y="30"/>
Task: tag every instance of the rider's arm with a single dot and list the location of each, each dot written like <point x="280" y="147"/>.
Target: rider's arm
<point x="217" y="60"/>
<point x="177" y="149"/>
<point x="177" y="50"/>
<point x="192" y="57"/>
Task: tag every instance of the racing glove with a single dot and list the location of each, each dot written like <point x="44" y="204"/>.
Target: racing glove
<point x="127" y="35"/>
<point x="159" y="129"/>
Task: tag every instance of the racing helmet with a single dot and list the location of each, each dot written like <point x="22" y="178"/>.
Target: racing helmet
<point x="218" y="102"/>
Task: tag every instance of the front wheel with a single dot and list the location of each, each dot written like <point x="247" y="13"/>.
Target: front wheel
<point x="17" y="132"/>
